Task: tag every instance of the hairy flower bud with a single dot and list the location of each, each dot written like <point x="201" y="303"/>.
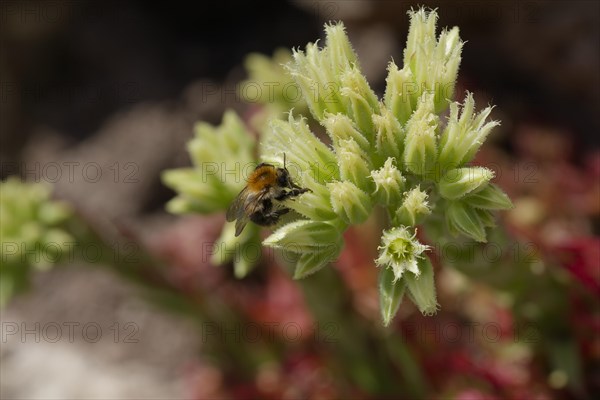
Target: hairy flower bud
<point x="341" y="127"/>
<point x="463" y="136"/>
<point x="354" y="164"/>
<point x="389" y="137"/>
<point x="389" y="183"/>
<point x="456" y="183"/>
<point x="318" y="72"/>
<point x="414" y="206"/>
<point x="363" y="101"/>
<point x="304" y="151"/>
<point x="433" y="62"/>
<point x="401" y="92"/>
<point x="420" y="151"/>
<point x="350" y="203"/>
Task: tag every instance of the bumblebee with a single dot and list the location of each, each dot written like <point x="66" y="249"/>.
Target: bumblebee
<point x="255" y="202"/>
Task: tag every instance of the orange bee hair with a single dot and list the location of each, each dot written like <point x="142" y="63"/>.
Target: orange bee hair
<point x="262" y="177"/>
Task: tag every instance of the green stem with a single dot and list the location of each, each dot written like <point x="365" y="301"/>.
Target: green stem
<point x="359" y="354"/>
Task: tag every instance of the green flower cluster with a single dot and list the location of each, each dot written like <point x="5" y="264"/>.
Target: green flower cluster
<point x="269" y="83"/>
<point x="33" y="233"/>
<point x="395" y="153"/>
<point x="222" y="157"/>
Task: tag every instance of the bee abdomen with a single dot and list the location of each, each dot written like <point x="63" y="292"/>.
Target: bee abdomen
<point x="267" y="219"/>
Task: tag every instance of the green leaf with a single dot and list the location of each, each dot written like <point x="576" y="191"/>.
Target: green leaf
<point x="464" y="219"/>
<point x="421" y="288"/>
<point x="305" y="236"/>
<point x="491" y="197"/>
<point x="486" y="217"/>
<point x="391" y="292"/>
<point x="310" y="263"/>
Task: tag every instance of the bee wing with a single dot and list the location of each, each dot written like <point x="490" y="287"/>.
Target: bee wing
<point x="240" y="224"/>
<point x="236" y="209"/>
<point x="245" y="204"/>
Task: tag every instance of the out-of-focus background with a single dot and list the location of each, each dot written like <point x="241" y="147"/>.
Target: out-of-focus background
<point x="98" y="98"/>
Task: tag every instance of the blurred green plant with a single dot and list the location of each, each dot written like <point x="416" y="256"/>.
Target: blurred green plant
<point x="33" y="232"/>
<point x="270" y="85"/>
<point x="396" y="153"/>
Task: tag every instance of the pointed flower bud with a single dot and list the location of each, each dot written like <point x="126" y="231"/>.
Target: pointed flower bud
<point x="400" y="251"/>
<point x="463" y="136"/>
<point x="363" y="101"/>
<point x="420" y="151"/>
<point x="341" y="127"/>
<point x="317" y="79"/>
<point x="421" y="37"/>
<point x="311" y="93"/>
<point x="389" y="139"/>
<point x="318" y="71"/>
<point x="341" y="54"/>
<point x="462" y="218"/>
<point x="354" y="164"/>
<point x="303" y="150"/>
<point x="414" y="206"/>
<point x="421" y="287"/>
<point x="350" y="203"/>
<point x="401" y="92"/>
<point x="433" y="62"/>
<point x="456" y="183"/>
<point x="448" y="50"/>
<point x="389" y="183"/>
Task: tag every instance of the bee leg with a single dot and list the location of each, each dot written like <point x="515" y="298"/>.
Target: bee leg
<point x="291" y="193"/>
<point x="282" y="211"/>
